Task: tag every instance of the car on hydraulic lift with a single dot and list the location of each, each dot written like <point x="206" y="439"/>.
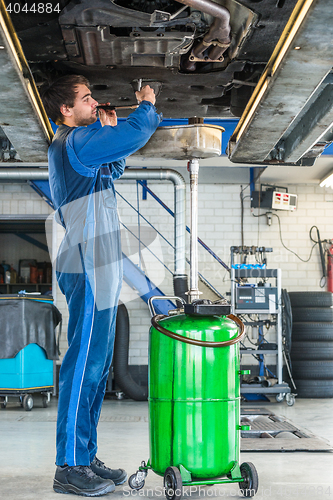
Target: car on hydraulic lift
<point x="203" y="58"/>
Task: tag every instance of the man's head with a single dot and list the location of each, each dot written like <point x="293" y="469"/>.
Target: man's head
<point x="68" y="100"/>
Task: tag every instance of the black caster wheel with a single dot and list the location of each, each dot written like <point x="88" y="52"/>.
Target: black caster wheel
<point x="28" y="402"/>
<point x="136" y="482"/>
<point x="249" y="486"/>
<point x="173" y="484"/>
<point x="44" y="402"/>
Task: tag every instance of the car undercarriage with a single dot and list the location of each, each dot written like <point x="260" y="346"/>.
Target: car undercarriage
<point x="266" y="61"/>
<point x="116" y="43"/>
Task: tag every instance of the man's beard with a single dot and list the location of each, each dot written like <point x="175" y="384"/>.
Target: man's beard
<point x="84" y="121"/>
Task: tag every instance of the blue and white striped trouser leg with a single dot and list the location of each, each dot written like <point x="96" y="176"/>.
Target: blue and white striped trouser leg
<point x="96" y="407"/>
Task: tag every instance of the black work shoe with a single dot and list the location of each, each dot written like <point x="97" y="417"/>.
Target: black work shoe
<point x="118" y="476"/>
<point x="81" y="480"/>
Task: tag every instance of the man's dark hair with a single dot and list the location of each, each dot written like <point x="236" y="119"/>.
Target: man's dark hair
<point x="60" y="92"/>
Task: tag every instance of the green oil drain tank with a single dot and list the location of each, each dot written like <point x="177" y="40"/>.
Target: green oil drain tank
<point x="194" y="398"/>
<point x="194" y="404"/>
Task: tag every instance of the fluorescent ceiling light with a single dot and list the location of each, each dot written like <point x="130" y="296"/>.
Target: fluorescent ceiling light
<point x="327" y="181"/>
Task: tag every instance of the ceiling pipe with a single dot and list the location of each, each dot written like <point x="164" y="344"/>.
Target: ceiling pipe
<point x="24" y="174"/>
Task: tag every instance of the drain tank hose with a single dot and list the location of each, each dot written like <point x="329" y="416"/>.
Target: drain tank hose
<point x="180" y="287"/>
<point x="202" y="343"/>
<point x="122" y="376"/>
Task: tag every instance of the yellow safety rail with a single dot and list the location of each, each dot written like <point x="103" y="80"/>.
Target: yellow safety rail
<point x="295" y="21"/>
<point x="15" y="49"/>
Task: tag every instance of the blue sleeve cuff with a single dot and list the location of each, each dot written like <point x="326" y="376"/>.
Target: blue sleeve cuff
<point x="151" y="105"/>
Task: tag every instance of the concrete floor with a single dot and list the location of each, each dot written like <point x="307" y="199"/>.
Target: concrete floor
<point x="27" y="452"/>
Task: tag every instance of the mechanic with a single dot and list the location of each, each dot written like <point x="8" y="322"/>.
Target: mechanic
<point x="84" y="158"/>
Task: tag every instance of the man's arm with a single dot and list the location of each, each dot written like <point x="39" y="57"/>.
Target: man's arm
<point x="117" y="168"/>
<point x="109" y="144"/>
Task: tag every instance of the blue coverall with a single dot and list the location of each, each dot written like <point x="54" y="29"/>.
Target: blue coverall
<point x="83" y="162"/>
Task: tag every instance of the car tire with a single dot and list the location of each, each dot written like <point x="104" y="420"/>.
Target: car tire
<point x="311" y="299"/>
<point x="313" y="314"/>
<point x="310" y="369"/>
<point x="309" y="350"/>
<point x="312" y="331"/>
<point x="314" y="388"/>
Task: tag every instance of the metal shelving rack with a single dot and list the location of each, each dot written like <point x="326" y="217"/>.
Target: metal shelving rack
<point x="271" y="307"/>
<point x="9" y="288"/>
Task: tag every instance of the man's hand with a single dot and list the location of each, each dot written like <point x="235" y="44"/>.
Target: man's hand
<point x="108" y="117"/>
<point x="146" y="94"/>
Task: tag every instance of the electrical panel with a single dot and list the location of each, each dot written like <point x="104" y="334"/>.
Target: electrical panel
<point x="274" y="199"/>
<point x="260" y="298"/>
<point x="284" y="201"/>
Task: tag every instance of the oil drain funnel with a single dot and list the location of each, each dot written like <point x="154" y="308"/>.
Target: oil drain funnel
<point x="191" y="142"/>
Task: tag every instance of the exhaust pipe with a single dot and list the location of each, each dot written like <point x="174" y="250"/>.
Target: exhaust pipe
<point x="217" y="40"/>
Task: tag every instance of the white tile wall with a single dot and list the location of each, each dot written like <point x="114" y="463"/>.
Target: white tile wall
<point x="20" y="198"/>
<point x="219" y="228"/>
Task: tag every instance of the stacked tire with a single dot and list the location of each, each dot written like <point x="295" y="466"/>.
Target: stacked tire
<point x="312" y="343"/>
